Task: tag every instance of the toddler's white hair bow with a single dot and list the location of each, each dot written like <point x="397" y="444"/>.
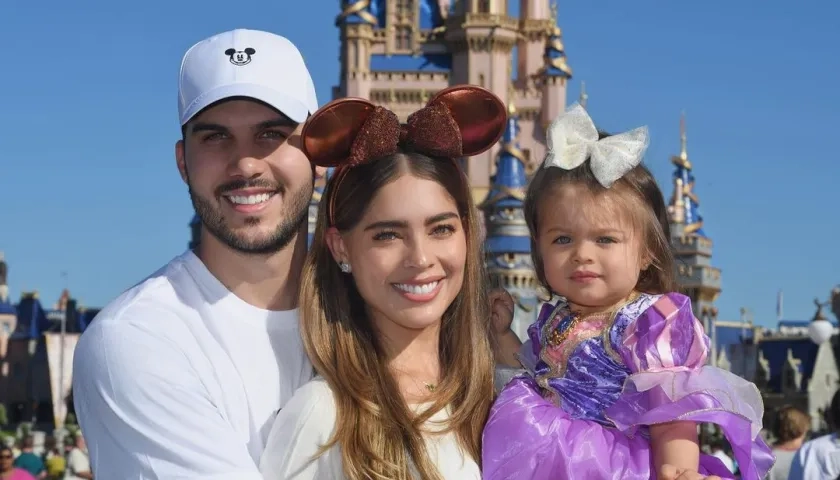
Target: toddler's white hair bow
<point x="572" y="138"/>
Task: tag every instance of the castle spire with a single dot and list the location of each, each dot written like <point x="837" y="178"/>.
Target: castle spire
<point x="554" y="73"/>
<point x="358" y="12"/>
<point x="684" y="207"/>
<point x="554" y="58"/>
<point x="583" y="95"/>
<point x="508" y="242"/>
<point x="511" y="90"/>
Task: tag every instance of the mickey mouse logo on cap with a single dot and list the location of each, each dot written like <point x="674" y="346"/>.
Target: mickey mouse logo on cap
<point x="240" y="57"/>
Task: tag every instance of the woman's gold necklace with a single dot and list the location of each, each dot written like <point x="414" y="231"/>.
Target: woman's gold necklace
<point x="431" y="387"/>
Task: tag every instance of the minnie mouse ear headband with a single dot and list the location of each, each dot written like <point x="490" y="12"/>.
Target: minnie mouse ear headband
<point x="572" y="138"/>
<point x="459" y="121"/>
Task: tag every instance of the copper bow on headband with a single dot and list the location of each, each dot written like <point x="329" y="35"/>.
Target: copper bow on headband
<point x="459" y="121"/>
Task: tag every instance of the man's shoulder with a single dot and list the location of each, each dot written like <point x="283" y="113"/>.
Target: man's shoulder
<point x="152" y="310"/>
<point x="158" y="293"/>
<point x="829" y="442"/>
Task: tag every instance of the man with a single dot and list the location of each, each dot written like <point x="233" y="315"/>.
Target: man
<point x="182" y="375"/>
<point x="820" y="457"/>
<point x="78" y="461"/>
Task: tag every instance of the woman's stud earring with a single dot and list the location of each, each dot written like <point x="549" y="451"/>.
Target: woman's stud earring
<point x="345" y="267"/>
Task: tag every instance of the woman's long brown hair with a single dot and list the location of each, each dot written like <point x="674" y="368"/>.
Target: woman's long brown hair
<point x="379" y="436"/>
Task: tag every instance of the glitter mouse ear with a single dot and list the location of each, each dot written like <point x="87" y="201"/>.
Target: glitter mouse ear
<point x="329" y="134"/>
<point x="479" y="114"/>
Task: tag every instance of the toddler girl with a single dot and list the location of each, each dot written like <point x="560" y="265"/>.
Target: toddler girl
<point x="616" y="376"/>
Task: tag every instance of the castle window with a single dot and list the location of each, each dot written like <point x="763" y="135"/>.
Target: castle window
<point x="483" y="6"/>
<point x="403" y="39"/>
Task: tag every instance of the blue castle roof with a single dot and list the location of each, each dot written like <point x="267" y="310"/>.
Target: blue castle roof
<point x="424" y="62"/>
<point x="430" y="14"/>
<point x="507" y="231"/>
<point x="371" y="12"/>
<point x="726" y="335"/>
<point x="554" y="57"/>
<point x="6" y="308"/>
<point x="33" y="320"/>
<point x="689" y="213"/>
<point x="691" y="204"/>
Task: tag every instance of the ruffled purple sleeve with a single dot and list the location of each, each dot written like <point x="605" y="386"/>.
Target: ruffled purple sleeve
<point x="666" y="351"/>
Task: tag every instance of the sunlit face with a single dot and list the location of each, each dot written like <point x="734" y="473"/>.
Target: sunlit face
<point x="590" y="251"/>
<point x="407" y="254"/>
<point x="249" y="181"/>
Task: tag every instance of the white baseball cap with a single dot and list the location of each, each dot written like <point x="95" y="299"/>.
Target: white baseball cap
<point x="246" y="63"/>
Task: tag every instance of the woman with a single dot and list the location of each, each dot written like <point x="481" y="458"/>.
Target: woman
<point x="7" y="469"/>
<point x="393" y="305"/>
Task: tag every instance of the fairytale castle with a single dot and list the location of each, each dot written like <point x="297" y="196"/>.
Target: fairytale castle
<point x="399" y="52"/>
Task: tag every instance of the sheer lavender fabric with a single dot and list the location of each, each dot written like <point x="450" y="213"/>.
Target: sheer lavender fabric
<point x="584" y="409"/>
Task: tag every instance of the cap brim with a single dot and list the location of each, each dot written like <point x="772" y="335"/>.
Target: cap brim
<point x="285" y="104"/>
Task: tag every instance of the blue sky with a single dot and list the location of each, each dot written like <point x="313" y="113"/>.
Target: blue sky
<point x="88" y="184"/>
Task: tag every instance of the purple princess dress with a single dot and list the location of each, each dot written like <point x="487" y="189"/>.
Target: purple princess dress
<point x="594" y="385"/>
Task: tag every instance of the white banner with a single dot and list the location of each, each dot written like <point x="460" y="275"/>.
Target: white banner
<point x="54" y="362"/>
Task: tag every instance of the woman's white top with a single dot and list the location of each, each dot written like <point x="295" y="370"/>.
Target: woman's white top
<point x="308" y="421"/>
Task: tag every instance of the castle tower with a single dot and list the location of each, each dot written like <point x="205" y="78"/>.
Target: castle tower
<point x="392" y="52"/>
<point x="696" y="276"/>
<point x="357" y="23"/>
<point x="536" y="25"/>
<point x="481" y="37"/>
<point x="554" y="74"/>
<point x="398" y="53"/>
<point x="508" y="243"/>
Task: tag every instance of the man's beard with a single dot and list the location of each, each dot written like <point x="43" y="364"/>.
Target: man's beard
<point x="297" y="210"/>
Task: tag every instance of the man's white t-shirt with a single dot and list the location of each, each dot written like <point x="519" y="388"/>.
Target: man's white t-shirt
<point x="180" y="378"/>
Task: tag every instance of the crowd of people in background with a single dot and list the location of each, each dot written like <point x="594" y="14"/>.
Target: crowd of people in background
<point x="21" y="461"/>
